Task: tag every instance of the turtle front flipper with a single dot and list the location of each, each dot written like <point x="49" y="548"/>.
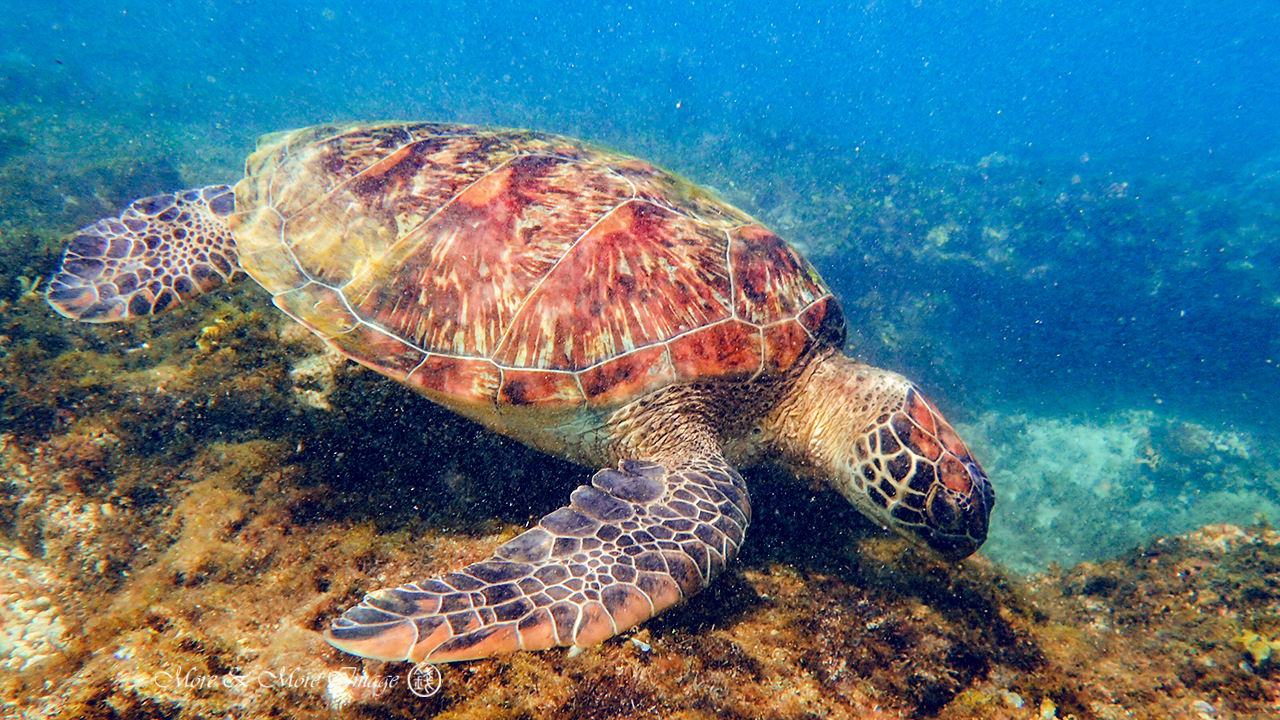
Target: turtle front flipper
<point x="160" y="251"/>
<point x="630" y="545"/>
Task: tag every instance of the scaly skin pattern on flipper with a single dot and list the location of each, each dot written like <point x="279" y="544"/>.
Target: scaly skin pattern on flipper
<point x="634" y="542"/>
<point x="160" y="251"/>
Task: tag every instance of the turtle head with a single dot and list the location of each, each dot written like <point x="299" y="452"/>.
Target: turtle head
<point x="917" y="476"/>
<point x="881" y="444"/>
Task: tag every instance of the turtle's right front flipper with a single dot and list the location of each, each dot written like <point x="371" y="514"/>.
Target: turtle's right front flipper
<point x="160" y="251"/>
<point x="630" y="545"/>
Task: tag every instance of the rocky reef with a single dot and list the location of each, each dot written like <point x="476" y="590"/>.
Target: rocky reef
<point x="1076" y="489"/>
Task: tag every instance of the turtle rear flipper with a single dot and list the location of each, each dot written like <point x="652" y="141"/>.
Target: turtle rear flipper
<point x="160" y="251"/>
<point x="630" y="545"/>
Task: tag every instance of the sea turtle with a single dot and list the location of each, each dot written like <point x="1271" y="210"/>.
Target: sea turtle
<point x="581" y="301"/>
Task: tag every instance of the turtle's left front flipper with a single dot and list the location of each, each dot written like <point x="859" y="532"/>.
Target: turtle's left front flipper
<point x="160" y="251"/>
<point x="630" y="545"/>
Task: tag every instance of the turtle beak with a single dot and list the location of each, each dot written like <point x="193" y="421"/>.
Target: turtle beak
<point x="957" y="521"/>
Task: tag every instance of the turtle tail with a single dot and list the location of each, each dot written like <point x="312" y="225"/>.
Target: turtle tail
<point x="160" y="251"/>
<point x="634" y="542"/>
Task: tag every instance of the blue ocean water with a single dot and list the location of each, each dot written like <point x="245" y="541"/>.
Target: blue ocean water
<point x="1162" y="84"/>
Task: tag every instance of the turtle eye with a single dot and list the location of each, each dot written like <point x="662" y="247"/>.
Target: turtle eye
<point x="943" y="511"/>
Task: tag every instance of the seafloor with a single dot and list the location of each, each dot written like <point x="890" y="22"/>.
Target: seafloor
<point x="189" y="499"/>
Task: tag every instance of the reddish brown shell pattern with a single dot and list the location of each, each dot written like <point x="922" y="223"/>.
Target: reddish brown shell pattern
<point x="499" y="267"/>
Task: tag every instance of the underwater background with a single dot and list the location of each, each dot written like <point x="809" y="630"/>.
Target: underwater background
<point x="1061" y="220"/>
